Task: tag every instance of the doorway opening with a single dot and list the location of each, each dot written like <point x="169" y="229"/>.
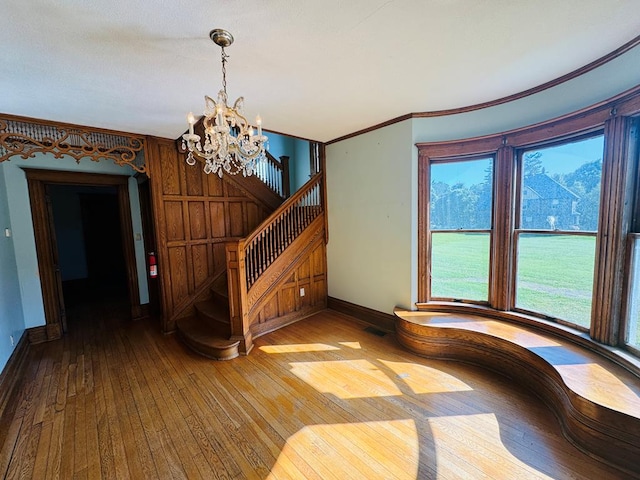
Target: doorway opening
<point x="84" y="242"/>
<point x="89" y="240"/>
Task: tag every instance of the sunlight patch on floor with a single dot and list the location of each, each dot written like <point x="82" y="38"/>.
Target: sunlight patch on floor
<point x="351" y="450"/>
<point x="298" y="348"/>
<point x="354" y="345"/>
<point x="346" y="378"/>
<point x="423" y="379"/>
<point x="477" y="439"/>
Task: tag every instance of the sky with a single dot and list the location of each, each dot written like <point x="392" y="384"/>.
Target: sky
<point x="560" y="159"/>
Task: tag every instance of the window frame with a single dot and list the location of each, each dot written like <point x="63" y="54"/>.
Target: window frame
<point x="519" y="155"/>
<point x="614" y="118"/>
<point x="489" y="231"/>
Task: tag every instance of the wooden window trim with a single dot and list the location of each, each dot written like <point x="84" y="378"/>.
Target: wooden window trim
<point x="615" y="118"/>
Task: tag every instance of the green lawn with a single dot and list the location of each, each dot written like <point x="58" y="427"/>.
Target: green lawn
<point x="555" y="273"/>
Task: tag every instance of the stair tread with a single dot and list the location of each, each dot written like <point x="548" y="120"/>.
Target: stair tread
<point x="205" y="341"/>
<point x="212" y="310"/>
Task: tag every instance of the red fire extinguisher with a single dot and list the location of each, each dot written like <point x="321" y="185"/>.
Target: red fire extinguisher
<point x="153" y="265"/>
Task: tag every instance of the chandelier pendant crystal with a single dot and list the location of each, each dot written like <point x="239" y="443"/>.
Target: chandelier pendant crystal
<point x="230" y="144"/>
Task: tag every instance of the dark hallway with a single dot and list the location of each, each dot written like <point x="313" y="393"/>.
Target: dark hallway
<point x="89" y="243"/>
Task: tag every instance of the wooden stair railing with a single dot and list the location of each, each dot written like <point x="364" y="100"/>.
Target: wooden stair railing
<point x="249" y="258"/>
<point x="274" y="174"/>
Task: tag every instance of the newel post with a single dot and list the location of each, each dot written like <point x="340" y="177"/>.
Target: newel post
<point x="286" y="184"/>
<point x="237" y="285"/>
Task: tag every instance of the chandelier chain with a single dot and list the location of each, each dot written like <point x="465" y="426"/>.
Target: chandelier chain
<point x="224" y="70"/>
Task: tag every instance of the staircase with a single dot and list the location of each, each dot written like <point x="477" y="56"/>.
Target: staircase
<point x="220" y="329"/>
<point x="209" y="330"/>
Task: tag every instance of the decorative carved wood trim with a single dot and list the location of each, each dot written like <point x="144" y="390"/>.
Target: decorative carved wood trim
<point x="24" y="137"/>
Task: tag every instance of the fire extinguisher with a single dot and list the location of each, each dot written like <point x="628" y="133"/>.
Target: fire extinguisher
<point x="153" y="265"/>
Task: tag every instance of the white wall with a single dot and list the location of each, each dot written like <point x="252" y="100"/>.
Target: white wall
<point x="369" y="207"/>
<point x="372" y="184"/>
<point x="24" y="240"/>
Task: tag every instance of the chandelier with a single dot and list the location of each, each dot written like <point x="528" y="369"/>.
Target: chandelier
<point x="229" y="141"/>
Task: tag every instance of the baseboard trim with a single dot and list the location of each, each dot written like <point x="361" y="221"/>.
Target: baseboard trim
<point x="383" y="321"/>
<point x="11" y="373"/>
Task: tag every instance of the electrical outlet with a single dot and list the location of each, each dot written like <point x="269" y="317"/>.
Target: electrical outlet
<point x="11" y="340"/>
<point x="302" y="292"/>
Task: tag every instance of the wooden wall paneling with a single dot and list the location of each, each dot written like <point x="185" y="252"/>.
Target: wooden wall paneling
<point x="195" y="185"/>
<point x="219" y="257"/>
<point x="271" y="309"/>
<point x="281" y="303"/>
<point x="218" y="218"/>
<point x="215" y="186"/>
<point x="195" y="214"/>
<point x="232" y="190"/>
<point x="197" y="220"/>
<point x="179" y="275"/>
<point x="200" y="256"/>
<point x="174" y="219"/>
<point x="158" y="184"/>
<point x="253" y="216"/>
<point x="287" y="298"/>
<point x="237" y="224"/>
<point x="188" y="240"/>
<point x="169" y="175"/>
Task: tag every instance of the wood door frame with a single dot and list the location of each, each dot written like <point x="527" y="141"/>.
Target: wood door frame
<point x="37" y="181"/>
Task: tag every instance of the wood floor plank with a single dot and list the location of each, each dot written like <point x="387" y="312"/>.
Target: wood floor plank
<point x="320" y="399"/>
<point x="91" y="437"/>
<point x="42" y="454"/>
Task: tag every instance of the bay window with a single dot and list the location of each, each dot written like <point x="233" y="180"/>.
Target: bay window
<point x="540" y="224"/>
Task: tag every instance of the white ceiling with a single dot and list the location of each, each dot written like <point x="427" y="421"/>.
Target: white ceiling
<point x="314" y="69"/>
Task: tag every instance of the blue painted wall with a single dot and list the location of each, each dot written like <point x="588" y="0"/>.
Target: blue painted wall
<point x="21" y="304"/>
<point x="11" y="317"/>
<point x="298" y="152"/>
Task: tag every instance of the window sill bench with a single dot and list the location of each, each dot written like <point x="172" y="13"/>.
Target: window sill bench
<point x="595" y="399"/>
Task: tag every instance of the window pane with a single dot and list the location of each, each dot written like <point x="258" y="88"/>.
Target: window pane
<point x="561" y="186"/>
<point x="460" y="265"/>
<point x="460" y="195"/>
<point x="555" y="276"/>
<point x="633" y="330"/>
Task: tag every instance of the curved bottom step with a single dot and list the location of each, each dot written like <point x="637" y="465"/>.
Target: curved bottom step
<point x="200" y="338"/>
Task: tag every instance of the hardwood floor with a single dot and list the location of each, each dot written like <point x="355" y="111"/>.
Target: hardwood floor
<point x="319" y="399"/>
